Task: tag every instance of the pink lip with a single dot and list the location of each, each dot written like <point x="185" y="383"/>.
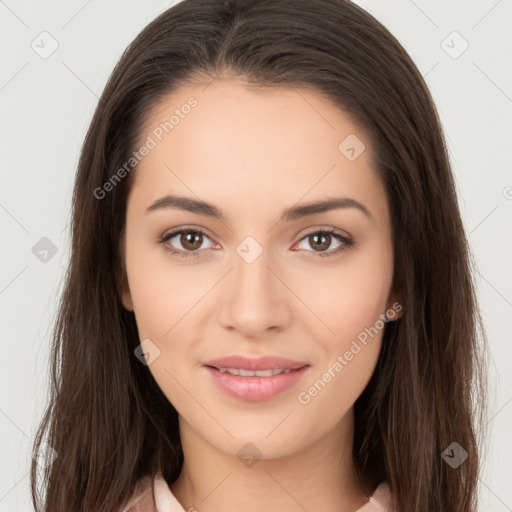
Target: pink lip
<point x="255" y="389"/>
<point x="258" y="363"/>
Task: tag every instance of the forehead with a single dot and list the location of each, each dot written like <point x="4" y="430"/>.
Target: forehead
<point x="223" y="140"/>
<point x="283" y="114"/>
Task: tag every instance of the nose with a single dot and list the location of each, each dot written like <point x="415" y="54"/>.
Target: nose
<point x="253" y="299"/>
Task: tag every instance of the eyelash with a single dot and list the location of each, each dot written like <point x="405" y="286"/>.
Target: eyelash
<point x="346" y="242"/>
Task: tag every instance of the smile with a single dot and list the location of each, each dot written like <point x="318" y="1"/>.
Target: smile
<point x="255" y="385"/>
<point x="254" y="373"/>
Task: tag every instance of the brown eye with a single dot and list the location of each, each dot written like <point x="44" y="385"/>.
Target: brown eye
<point x="184" y="242"/>
<point x="320" y="241"/>
<point x="191" y="240"/>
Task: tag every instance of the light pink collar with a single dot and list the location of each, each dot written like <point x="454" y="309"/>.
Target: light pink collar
<point x="161" y="499"/>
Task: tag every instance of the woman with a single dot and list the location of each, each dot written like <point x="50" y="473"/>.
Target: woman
<point x="269" y="300"/>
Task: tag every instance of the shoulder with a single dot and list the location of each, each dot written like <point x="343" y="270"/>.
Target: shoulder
<point x="142" y="499"/>
<point x="152" y="495"/>
<point x="380" y="501"/>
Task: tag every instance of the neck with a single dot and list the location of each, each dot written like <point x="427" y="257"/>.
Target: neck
<point x="320" y="477"/>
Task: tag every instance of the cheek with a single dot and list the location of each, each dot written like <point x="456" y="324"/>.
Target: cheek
<point x="349" y="356"/>
<point x="351" y="305"/>
<point x="346" y="299"/>
<point x="162" y="293"/>
<point x="359" y="307"/>
<point x="333" y="390"/>
<point x="168" y="303"/>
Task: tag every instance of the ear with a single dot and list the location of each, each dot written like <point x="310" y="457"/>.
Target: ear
<point x="126" y="296"/>
<point x="395" y="306"/>
<point x="122" y="278"/>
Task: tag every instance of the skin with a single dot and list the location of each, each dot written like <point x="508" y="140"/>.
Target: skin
<point x="253" y="154"/>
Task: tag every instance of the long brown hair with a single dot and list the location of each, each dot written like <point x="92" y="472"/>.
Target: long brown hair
<point x="107" y="419"/>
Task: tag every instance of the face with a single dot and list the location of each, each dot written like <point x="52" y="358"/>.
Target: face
<point x="253" y="273"/>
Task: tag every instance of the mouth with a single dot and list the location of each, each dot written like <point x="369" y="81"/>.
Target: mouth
<point x="256" y="384"/>
<point x="243" y="372"/>
<point x="245" y="363"/>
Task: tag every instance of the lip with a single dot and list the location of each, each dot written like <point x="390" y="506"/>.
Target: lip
<point x="258" y="363"/>
<point x="255" y="389"/>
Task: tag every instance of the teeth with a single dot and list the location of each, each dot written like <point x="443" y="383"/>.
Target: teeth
<point x="256" y="373"/>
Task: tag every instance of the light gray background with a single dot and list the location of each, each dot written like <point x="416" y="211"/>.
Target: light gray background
<point x="46" y="105"/>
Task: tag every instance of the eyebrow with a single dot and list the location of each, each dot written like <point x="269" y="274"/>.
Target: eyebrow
<point x="290" y="214"/>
